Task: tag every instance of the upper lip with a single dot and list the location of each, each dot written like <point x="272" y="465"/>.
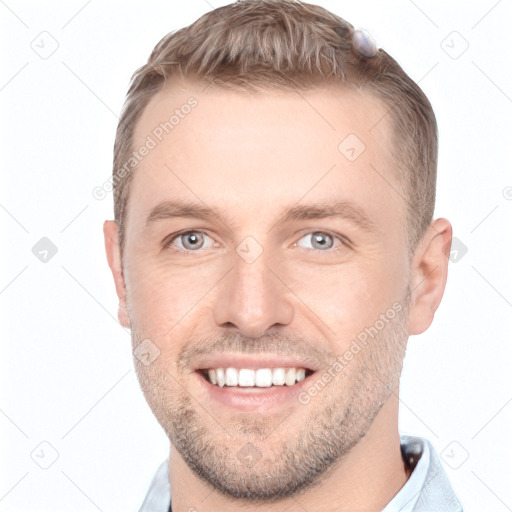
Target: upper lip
<point x="252" y="362"/>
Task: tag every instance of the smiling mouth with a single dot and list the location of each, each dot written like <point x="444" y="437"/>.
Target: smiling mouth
<point x="254" y="378"/>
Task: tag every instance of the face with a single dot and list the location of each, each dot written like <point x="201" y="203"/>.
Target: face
<point x="265" y="236"/>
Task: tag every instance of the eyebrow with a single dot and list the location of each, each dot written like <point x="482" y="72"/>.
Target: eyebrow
<point x="336" y="209"/>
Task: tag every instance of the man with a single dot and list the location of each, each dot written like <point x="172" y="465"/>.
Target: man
<point x="272" y="250"/>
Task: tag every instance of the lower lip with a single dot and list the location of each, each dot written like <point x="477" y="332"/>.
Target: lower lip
<point x="254" y="399"/>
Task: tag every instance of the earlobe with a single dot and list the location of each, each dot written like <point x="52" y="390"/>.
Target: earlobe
<point x="112" y="249"/>
<point x="429" y="273"/>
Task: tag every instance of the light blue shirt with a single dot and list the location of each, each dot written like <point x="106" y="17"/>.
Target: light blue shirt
<point x="426" y="490"/>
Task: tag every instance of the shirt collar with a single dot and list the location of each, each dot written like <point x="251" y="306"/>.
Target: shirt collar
<point x="426" y="489"/>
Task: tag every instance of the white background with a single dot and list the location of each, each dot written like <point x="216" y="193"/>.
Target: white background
<point x="66" y="368"/>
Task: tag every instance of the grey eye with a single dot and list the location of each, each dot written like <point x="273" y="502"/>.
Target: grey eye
<point x="320" y="240"/>
<point x="190" y="241"/>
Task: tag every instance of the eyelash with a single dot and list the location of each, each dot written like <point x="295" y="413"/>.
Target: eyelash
<point x="167" y="244"/>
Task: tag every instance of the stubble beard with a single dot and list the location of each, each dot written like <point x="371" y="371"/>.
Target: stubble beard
<point x="296" y="459"/>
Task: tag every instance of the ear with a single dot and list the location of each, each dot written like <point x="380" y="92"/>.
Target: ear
<point x="429" y="272"/>
<point x="111" y="234"/>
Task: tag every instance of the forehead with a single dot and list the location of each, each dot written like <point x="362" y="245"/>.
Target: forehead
<point x="257" y="152"/>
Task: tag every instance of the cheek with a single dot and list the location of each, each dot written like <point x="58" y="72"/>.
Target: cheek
<point x="348" y="298"/>
<point x="161" y="295"/>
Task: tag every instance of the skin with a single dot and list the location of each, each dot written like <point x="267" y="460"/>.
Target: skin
<point x="251" y="157"/>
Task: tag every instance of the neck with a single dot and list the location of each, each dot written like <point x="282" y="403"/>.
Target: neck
<point x="366" y="479"/>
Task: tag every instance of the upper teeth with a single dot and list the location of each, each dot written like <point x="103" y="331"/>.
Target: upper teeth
<point x="261" y="378"/>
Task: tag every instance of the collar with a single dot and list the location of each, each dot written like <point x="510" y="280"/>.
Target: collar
<point x="427" y="488"/>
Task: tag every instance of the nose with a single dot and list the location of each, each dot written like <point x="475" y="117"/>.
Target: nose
<point x="253" y="298"/>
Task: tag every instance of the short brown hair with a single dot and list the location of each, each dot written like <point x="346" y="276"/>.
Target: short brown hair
<point x="288" y="44"/>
